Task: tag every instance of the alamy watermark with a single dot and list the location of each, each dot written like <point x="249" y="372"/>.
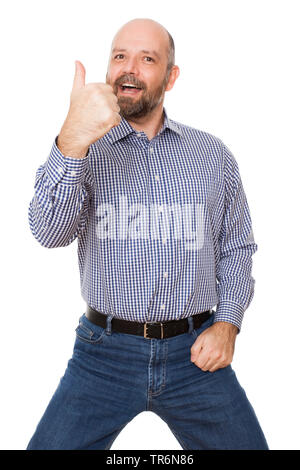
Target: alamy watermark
<point x="138" y="221"/>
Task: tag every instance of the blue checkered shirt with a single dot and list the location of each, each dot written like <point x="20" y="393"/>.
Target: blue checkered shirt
<point x="163" y="226"/>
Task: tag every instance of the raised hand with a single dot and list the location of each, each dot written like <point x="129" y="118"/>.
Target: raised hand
<point x="93" y="111"/>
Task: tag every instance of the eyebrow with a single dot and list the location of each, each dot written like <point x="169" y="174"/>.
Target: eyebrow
<point x="143" y="50"/>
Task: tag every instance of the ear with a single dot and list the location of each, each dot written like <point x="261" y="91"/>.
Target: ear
<point x="174" y="74"/>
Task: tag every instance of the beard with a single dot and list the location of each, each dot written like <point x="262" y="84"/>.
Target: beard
<point x="131" y="107"/>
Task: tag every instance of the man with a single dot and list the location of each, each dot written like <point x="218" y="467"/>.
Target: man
<point x="164" y="234"/>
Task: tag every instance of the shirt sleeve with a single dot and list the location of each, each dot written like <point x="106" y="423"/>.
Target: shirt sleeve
<point x="58" y="211"/>
<point x="235" y="284"/>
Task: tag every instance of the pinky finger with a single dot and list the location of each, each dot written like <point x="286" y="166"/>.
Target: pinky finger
<point x="117" y="119"/>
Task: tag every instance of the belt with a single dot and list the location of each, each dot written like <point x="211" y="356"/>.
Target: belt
<point x="158" y="330"/>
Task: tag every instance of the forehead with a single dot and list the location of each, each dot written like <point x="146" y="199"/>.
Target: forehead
<point x="139" y="38"/>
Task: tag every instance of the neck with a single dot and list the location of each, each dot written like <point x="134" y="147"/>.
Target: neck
<point x="151" y="123"/>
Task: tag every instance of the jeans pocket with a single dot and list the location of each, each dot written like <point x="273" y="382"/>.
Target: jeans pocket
<point x="197" y="331"/>
<point x="88" y="332"/>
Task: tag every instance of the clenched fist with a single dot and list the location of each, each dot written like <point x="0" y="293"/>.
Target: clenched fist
<point x="214" y="347"/>
<point x="93" y="111"/>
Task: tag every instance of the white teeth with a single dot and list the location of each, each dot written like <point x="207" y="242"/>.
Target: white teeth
<point x="129" y="84"/>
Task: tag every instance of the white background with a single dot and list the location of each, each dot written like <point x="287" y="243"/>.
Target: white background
<point x="239" y="80"/>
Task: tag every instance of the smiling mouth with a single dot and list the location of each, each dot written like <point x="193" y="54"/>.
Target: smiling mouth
<point x="129" y="89"/>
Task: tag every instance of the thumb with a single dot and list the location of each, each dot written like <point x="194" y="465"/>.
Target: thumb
<point x="79" y="78"/>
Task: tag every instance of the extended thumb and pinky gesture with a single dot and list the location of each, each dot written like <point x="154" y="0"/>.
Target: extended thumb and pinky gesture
<point x="79" y="78"/>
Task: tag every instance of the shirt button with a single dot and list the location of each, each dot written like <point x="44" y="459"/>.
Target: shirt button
<point x="73" y="173"/>
<point x="151" y="150"/>
<point x="165" y="274"/>
<point x="139" y="135"/>
<point x="157" y="177"/>
<point x="163" y="307"/>
<point x="160" y="209"/>
<point x="60" y="170"/>
<point x="164" y="241"/>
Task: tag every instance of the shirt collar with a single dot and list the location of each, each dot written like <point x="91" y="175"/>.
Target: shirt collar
<point x="124" y="128"/>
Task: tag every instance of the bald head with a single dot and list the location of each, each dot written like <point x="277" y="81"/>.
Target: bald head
<point x="141" y="67"/>
<point x="141" y="27"/>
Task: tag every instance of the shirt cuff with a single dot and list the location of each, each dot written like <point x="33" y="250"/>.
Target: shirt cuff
<point x="229" y="311"/>
<point x="66" y="170"/>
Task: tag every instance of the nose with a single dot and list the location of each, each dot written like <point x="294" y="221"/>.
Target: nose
<point x="131" y="66"/>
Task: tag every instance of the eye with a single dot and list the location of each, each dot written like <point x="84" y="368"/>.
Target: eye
<point x="149" y="58"/>
<point x="118" y="55"/>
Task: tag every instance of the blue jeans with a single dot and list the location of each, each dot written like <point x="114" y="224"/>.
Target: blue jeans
<point x="112" y="377"/>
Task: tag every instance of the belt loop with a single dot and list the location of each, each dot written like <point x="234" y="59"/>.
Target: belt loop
<point x="108" y="324"/>
<point x="191" y="324"/>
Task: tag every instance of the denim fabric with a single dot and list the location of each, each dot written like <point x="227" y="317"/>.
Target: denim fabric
<point x="112" y="377"/>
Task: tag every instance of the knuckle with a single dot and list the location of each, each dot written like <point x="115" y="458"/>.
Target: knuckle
<point x="91" y="86"/>
<point x="97" y="89"/>
<point x="225" y="362"/>
<point x="106" y="88"/>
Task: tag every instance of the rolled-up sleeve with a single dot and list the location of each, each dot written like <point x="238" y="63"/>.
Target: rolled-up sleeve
<point x="235" y="284"/>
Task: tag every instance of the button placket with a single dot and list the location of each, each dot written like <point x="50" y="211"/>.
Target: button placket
<point x="154" y="170"/>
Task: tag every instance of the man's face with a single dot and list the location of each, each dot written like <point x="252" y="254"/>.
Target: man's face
<point x="138" y="57"/>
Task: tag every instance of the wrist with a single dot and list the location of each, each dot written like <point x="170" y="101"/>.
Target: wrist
<point x="228" y="327"/>
<point x="70" y="144"/>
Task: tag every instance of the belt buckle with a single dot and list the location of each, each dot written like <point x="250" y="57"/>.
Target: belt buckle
<point x="149" y="323"/>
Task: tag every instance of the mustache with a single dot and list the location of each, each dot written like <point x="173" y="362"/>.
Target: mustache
<point x="131" y="80"/>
